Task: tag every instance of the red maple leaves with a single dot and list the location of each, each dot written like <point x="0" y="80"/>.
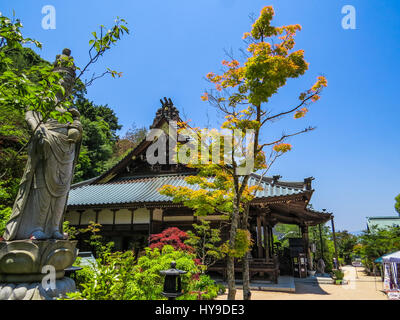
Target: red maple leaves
<point x="172" y="236"/>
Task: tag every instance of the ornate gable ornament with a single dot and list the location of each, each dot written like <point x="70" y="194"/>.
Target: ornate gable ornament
<point x="167" y="111"/>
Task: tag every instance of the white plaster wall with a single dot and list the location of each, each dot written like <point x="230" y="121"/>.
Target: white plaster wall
<point x="141" y="215"/>
<point x="88" y="216"/>
<point x="105" y="216"/>
<point x="123" y="216"/>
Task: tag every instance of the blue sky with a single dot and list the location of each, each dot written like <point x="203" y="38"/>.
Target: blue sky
<point x="354" y="154"/>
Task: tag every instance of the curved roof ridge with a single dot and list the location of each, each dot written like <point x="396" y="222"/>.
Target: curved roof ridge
<point x="83" y="183"/>
<point x="269" y="180"/>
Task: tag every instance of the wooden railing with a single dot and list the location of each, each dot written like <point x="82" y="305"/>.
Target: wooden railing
<point x="262" y="267"/>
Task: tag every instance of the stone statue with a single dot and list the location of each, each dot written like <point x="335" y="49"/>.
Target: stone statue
<point x="33" y="239"/>
<point x="52" y="154"/>
<point x="321" y="266"/>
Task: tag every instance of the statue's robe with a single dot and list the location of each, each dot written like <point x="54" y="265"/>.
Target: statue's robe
<point x="42" y="197"/>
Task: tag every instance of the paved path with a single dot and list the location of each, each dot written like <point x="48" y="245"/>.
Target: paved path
<point x="360" y="287"/>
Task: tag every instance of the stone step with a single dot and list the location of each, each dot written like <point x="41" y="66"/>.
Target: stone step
<point x="317" y="280"/>
<point x="285" y="284"/>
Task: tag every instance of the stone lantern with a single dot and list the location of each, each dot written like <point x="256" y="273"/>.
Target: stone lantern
<point x="172" y="282"/>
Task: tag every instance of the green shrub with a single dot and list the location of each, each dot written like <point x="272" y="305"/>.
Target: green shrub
<point x="84" y="275"/>
<point x="118" y="276"/>
<point x="338" y="274"/>
<point x="4" y="216"/>
<point x="150" y="282"/>
<point x="110" y="279"/>
<point x="206" y="288"/>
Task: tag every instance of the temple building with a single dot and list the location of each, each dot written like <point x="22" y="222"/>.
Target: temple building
<point x="126" y="201"/>
<point x="382" y="222"/>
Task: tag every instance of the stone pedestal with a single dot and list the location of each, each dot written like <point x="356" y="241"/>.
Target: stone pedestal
<point x="35" y="290"/>
<point x="24" y="264"/>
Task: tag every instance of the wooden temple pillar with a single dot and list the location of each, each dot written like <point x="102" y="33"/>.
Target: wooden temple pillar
<point x="266" y="239"/>
<point x="132" y="210"/>
<point x="322" y="242"/>
<point x="306" y="241"/>
<point x="259" y="239"/>
<point x="271" y="242"/>
<point x="80" y="217"/>
<point x="114" y="211"/>
<point x="150" y="224"/>
<point x="97" y="211"/>
<point x="334" y="241"/>
<point x="79" y="226"/>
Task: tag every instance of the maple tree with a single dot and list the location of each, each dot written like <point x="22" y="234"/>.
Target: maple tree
<point x="242" y="93"/>
<point x="206" y="243"/>
<point x="172" y="236"/>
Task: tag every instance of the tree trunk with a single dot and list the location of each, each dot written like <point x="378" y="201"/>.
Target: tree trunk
<point x="246" y="259"/>
<point x="246" y="278"/>
<point x="230" y="265"/>
<point x="230" y="259"/>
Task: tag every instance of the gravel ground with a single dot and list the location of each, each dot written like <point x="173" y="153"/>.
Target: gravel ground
<point x="360" y="287"/>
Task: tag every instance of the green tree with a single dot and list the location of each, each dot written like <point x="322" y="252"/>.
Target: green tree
<point x="326" y="249"/>
<point x="98" y="245"/>
<point x="345" y="245"/>
<point x="397" y="204"/>
<point x="14" y="133"/>
<point x="376" y="242"/>
<point x="96" y="149"/>
<point x="126" y="143"/>
<point x="207" y="243"/>
<point x="130" y="140"/>
<point x="242" y="92"/>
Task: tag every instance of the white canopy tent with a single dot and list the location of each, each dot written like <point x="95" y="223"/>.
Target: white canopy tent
<point x="391" y="267"/>
<point x="393" y="257"/>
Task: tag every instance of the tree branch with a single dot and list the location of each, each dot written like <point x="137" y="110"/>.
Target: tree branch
<point x="291" y="110"/>
<point x="284" y="137"/>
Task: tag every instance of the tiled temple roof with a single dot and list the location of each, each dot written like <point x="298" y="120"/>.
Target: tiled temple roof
<point x="144" y="189"/>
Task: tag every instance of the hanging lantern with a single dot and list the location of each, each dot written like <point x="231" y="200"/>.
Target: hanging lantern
<point x="172" y="282"/>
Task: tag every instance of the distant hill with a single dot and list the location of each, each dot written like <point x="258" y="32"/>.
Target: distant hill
<point x="356" y="233"/>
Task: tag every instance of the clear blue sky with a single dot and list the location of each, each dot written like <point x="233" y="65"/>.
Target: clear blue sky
<point x="354" y="154"/>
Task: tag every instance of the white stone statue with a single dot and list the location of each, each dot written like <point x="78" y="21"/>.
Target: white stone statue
<point x="321" y="266"/>
<point x="33" y="237"/>
<point x="52" y="154"/>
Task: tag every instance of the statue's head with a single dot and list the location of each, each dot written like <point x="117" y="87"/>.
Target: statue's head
<point x="67" y="52"/>
<point x="64" y="65"/>
<point x="65" y="61"/>
<point x="74" y="112"/>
